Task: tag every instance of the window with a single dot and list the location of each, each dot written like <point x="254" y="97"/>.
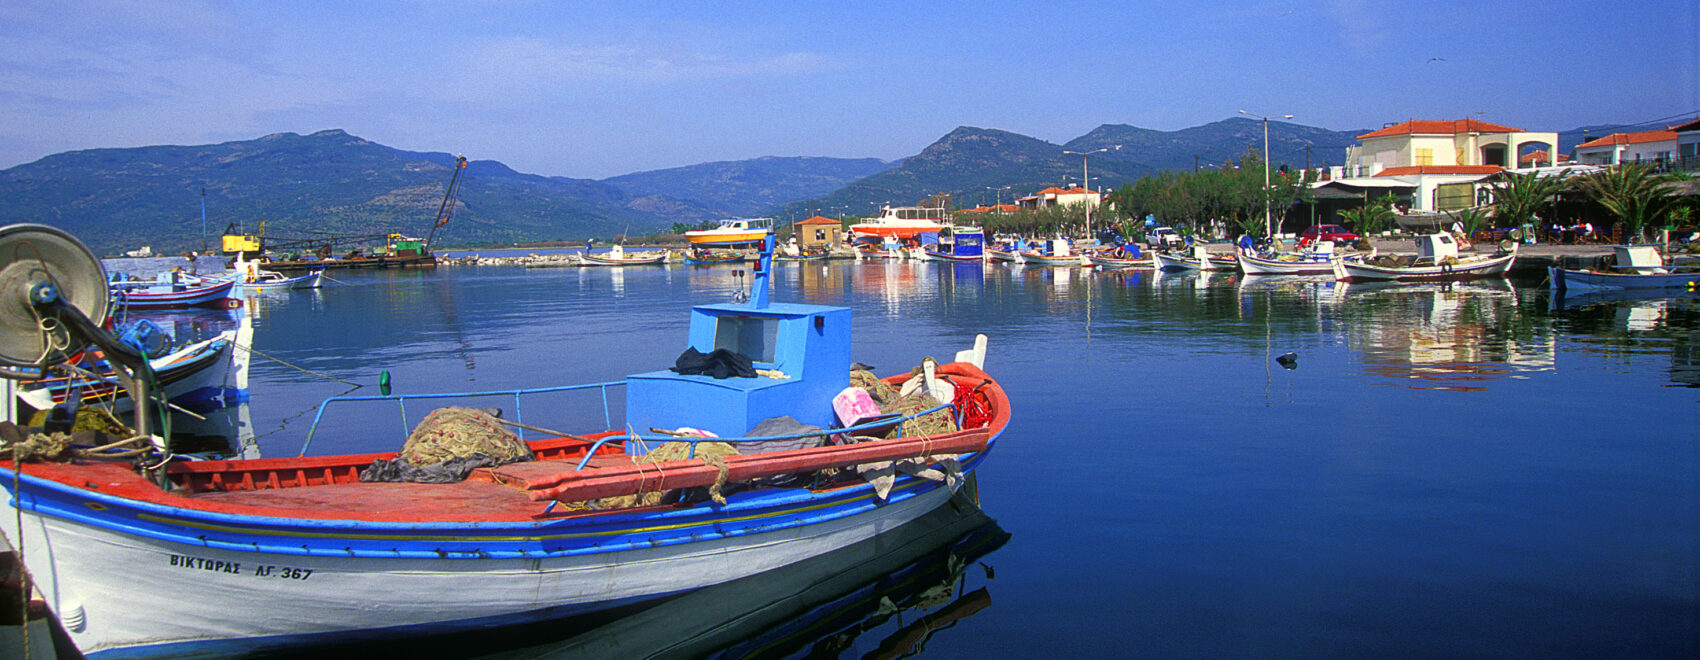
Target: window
<point x="1453" y="196"/>
<point x="1425" y="156"/>
<point x="751" y="336"/>
<point x="820" y="234"/>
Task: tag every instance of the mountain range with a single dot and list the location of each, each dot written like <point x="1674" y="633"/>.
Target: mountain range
<point x="331" y="182"/>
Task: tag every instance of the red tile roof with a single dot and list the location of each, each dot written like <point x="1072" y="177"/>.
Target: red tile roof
<point x="1440" y="127"/>
<point x="1053" y="190"/>
<point x="1541" y="156"/>
<point x="1440" y="169"/>
<point x="819" y="220"/>
<point x="1630" y="138"/>
<point x="1690" y="126"/>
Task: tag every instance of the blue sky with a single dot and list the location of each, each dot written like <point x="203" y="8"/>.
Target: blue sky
<point x="596" y="89"/>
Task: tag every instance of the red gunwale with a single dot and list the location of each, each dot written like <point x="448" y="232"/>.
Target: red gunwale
<point x="328" y="487"/>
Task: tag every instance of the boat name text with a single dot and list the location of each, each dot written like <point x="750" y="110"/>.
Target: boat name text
<point x="235" y="568"/>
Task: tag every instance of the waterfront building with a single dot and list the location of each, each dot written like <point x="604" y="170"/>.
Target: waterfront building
<point x="1054" y="196"/>
<point x="818" y="233"/>
<point x="1637" y="147"/>
<point x="1688" y="143"/>
<point x="1436" y="166"/>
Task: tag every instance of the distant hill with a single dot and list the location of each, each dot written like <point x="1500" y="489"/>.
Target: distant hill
<point x="969" y="160"/>
<point x="749" y="187"/>
<point x="329" y="181"/>
<point x="965" y="163"/>
<point x="1217" y="142"/>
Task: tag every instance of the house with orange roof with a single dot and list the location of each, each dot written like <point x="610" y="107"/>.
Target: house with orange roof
<point x="1436" y="165"/>
<point x="1637" y="147"/>
<point x="1054" y="196"/>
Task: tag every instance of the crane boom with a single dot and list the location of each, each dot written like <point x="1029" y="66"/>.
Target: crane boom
<point x="448" y="207"/>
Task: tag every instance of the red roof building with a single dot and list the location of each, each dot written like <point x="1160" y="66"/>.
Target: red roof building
<point x="1637" y="147"/>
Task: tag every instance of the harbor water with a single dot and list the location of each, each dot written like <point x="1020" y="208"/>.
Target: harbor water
<point x="1468" y="470"/>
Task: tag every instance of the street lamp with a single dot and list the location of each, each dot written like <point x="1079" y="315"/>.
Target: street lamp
<point x="1086" y="182"/>
<point x="1268" y="224"/>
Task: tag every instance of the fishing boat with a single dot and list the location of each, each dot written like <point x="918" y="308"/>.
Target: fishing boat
<point x="1199" y="259"/>
<point x="1054" y="252"/>
<point x="1119" y="258"/>
<point x="1315" y="259"/>
<point x="1437" y="260"/>
<point x="229" y="557"/>
<point x="198" y="377"/>
<point x="957" y="244"/>
<point x="617" y="256"/>
<point x="733" y="231"/>
<point x="1635" y="267"/>
<point x="901" y="222"/>
<point x="170" y="290"/>
<point x="251" y="277"/>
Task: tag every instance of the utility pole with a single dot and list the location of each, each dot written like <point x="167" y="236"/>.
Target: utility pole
<point x="1268" y="221"/>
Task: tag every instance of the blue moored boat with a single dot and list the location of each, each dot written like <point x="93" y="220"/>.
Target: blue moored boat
<point x="246" y="556"/>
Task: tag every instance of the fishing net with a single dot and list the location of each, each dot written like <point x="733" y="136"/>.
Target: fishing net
<point x="450" y="433"/>
<point x="712" y="453"/>
<point x="448" y="445"/>
<point x="878" y="389"/>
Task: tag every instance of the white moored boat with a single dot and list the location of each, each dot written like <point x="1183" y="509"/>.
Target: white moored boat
<point x="734" y="231"/>
<point x="1636" y="267"/>
<point x="902" y="222"/>
<point x="1437" y="260"/>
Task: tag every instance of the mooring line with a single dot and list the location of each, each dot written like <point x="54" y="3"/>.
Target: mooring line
<point x="305" y="370"/>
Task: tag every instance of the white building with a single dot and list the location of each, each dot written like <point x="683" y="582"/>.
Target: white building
<point x="1055" y="196"/>
<point x="1639" y="147"/>
<point x="1435" y="166"/>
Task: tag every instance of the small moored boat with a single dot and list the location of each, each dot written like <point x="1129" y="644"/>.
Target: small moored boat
<point x="733" y="231"/>
<point x="1199" y="259"/>
<point x="617" y="256"/>
<point x="1635" y="267"/>
<point x="1437" y="260"/>
<point x="172" y="290"/>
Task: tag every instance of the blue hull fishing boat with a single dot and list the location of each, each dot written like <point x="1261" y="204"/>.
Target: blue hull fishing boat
<point x="151" y="557"/>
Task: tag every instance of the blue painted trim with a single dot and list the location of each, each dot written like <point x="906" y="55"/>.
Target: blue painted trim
<point x="744" y="514"/>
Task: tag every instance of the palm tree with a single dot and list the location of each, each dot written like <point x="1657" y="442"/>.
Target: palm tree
<point x="1373" y="217"/>
<point x="1633" y="193"/>
<point x="1518" y="197"/>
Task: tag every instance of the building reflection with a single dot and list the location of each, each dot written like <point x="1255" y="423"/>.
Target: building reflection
<point x="1444" y="337"/>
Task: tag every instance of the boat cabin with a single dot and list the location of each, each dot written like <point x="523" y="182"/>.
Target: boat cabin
<point x="962" y="241"/>
<point x="1640" y="259"/>
<point x="807" y="345"/>
<point x="1432" y="248"/>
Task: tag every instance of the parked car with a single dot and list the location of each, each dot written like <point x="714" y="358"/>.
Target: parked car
<point x="1334" y="233"/>
<point x="1163" y="237"/>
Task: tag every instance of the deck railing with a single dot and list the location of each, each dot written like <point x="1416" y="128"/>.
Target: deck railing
<point x="519" y="411"/>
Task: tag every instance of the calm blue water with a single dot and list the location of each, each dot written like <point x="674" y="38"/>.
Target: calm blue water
<point x="1468" y="471"/>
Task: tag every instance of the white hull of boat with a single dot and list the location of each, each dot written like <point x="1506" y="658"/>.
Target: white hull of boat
<point x="1564" y="279"/>
<point x="1179" y="263"/>
<point x="206" y="602"/>
<point x="1464" y="270"/>
<point x="221" y="384"/>
<point x="308" y="281"/>
<point x="1252" y="264"/>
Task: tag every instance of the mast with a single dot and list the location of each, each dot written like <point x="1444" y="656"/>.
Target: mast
<point x="448" y="207"/>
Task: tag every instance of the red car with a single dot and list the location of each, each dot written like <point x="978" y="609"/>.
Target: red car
<point x="1334" y="233"/>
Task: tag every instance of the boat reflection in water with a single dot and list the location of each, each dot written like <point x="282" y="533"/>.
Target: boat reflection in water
<point x="884" y="598"/>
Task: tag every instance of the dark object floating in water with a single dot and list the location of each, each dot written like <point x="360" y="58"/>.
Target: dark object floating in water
<point x="1289" y="360"/>
<point x="857" y="366"/>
